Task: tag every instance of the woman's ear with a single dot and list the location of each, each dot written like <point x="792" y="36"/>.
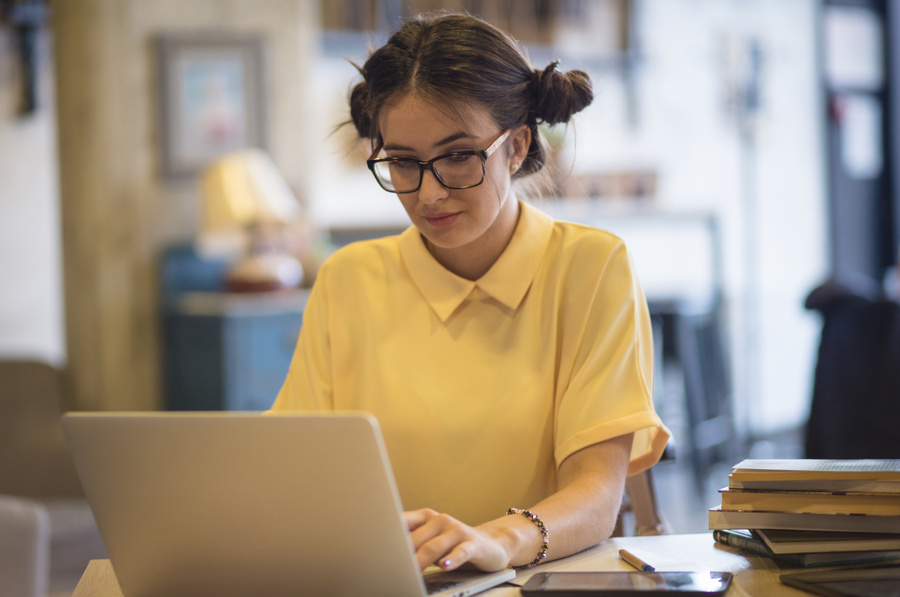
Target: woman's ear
<point x="519" y="142"/>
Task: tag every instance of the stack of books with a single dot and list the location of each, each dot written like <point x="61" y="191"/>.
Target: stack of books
<point x="812" y="512"/>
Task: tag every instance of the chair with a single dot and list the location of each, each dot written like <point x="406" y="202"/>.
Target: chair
<point x="856" y="387"/>
<point x="712" y="435"/>
<point x="34" y="458"/>
<point x="640" y="504"/>
<point x="691" y="335"/>
<point x="24" y="548"/>
<point x="45" y="521"/>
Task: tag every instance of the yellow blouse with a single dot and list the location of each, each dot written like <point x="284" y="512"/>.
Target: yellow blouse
<point x="483" y="388"/>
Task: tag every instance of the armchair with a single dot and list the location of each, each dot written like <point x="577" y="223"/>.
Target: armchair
<point x="24" y="548"/>
<point x="47" y="531"/>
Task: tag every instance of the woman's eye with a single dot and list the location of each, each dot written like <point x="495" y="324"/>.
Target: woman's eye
<point x="404" y="165"/>
<point x="460" y="159"/>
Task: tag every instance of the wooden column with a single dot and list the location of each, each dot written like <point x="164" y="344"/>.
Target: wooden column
<point x="118" y="213"/>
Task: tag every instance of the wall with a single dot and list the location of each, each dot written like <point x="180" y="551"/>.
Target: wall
<point x="31" y="301"/>
<point x="769" y="194"/>
<point x="117" y="211"/>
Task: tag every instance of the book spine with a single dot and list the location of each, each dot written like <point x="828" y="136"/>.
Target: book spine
<point x="750" y="544"/>
<point x="756" y="547"/>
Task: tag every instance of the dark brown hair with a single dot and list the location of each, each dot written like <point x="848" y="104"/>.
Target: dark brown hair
<point x="459" y="59"/>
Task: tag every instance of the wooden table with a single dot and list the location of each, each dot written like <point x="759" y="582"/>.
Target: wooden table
<point x="753" y="576"/>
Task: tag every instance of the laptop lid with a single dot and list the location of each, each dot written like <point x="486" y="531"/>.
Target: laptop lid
<point x="222" y="503"/>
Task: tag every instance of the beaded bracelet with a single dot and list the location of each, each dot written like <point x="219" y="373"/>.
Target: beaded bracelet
<point x="545" y="535"/>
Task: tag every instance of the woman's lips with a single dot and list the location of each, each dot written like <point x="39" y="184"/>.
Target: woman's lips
<point x="442" y="220"/>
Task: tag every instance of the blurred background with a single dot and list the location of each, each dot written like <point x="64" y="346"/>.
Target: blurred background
<point x="746" y="150"/>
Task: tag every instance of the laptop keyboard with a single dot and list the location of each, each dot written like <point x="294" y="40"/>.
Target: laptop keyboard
<point x="434" y="585"/>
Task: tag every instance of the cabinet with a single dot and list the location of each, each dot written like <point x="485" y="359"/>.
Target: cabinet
<point x="229" y="352"/>
<point x="222" y="351"/>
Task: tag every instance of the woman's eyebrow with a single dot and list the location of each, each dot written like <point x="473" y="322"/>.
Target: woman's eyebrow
<point x="448" y="139"/>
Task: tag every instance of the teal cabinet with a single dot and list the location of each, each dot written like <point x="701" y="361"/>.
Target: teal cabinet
<point x="229" y="351"/>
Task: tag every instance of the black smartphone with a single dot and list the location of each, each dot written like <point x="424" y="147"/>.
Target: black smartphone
<point x="630" y="584"/>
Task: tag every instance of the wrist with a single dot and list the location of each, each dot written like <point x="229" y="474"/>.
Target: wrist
<point x="518" y="538"/>
<point x="543" y="535"/>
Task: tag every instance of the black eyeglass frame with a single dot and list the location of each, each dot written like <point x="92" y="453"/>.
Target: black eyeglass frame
<point x="484" y="154"/>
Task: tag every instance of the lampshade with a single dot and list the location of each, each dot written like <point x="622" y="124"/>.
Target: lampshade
<point x="246" y="203"/>
<point x="242" y="188"/>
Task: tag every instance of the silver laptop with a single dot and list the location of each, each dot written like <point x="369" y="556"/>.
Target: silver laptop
<point x="243" y="504"/>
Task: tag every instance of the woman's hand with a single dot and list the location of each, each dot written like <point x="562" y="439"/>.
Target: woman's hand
<point x="579" y="515"/>
<point x="444" y="541"/>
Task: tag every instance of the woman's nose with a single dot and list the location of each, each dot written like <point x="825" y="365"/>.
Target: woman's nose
<point x="431" y="189"/>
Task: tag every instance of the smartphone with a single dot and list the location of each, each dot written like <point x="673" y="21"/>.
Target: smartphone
<point x="630" y="584"/>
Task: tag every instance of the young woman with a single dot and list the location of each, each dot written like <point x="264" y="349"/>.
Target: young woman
<point x="507" y="357"/>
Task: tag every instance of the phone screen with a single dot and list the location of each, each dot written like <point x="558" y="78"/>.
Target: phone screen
<point x="631" y="583"/>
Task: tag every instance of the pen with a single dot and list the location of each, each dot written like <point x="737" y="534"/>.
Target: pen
<point x="635" y="561"/>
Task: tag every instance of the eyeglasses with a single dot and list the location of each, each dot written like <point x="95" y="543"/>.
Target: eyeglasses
<point x="457" y="170"/>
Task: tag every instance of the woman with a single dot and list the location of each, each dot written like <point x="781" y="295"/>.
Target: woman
<point x="507" y="357"/>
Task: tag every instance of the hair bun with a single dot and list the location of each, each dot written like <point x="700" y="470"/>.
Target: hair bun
<point x="557" y="96"/>
<point x="360" y="112"/>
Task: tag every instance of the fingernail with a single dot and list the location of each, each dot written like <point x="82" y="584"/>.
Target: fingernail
<point x="446" y="563"/>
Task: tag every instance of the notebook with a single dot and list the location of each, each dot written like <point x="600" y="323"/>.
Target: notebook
<point x="224" y="504"/>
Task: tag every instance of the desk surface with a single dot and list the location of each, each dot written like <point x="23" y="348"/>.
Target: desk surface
<point x="753" y="576"/>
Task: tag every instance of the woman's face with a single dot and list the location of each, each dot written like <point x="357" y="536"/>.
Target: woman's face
<point x="479" y="219"/>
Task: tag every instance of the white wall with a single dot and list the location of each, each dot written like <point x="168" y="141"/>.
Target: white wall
<point x="31" y="303"/>
<point x="769" y="196"/>
<point x="771" y="199"/>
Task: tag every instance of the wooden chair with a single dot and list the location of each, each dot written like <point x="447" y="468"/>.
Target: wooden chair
<point x="640" y="505"/>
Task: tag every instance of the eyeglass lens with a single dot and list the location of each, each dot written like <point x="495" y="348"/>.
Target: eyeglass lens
<point x="454" y="171"/>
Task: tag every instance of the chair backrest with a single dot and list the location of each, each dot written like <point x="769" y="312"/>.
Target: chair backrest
<point x="856" y="388"/>
<point x="712" y="435"/>
<point x="34" y="459"/>
<point x="640" y="505"/>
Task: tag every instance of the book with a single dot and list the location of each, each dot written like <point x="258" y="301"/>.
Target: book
<point x="813" y="502"/>
<point x="787" y="542"/>
<point x="739" y="519"/>
<point x="845" y="581"/>
<point x="810" y="468"/>
<point x="872" y="476"/>
<point x="746" y="540"/>
<point x="854" y="485"/>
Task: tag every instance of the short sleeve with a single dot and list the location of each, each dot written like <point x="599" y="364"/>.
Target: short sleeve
<point x="309" y="383"/>
<point x="609" y="389"/>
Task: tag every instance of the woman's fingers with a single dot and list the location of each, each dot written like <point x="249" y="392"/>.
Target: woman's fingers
<point x="416" y="518"/>
<point x="436" y="537"/>
<point x="442" y="540"/>
<point x="459" y="555"/>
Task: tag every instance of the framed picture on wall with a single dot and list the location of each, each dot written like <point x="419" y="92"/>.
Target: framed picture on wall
<point x="212" y="98"/>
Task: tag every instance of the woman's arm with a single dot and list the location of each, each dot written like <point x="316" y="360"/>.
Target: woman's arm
<point x="579" y="515"/>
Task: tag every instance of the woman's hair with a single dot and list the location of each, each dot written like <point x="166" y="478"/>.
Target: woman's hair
<point x="460" y="60"/>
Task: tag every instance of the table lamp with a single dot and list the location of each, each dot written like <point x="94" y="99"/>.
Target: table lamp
<point x="247" y="205"/>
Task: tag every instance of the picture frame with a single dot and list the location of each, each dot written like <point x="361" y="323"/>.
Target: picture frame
<point x="212" y="98"/>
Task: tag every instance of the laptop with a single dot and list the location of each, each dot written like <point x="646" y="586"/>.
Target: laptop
<point x="223" y="504"/>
